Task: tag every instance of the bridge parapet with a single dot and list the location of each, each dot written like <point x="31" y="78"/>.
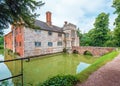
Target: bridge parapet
<point x="95" y="51"/>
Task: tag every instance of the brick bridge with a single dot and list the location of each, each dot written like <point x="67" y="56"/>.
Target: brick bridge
<point x="95" y="51"/>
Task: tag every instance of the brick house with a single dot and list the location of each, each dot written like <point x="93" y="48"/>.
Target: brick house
<point x="48" y="39"/>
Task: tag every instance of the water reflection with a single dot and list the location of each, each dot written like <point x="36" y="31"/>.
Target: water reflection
<point x="38" y="70"/>
<point x="5" y="73"/>
<point x="82" y="66"/>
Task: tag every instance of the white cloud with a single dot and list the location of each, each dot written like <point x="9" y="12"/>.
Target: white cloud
<point x="79" y="12"/>
<point x="111" y="21"/>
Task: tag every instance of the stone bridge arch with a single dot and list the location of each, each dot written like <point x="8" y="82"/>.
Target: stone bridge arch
<point x="95" y="51"/>
<point x="75" y="51"/>
<point x="86" y="52"/>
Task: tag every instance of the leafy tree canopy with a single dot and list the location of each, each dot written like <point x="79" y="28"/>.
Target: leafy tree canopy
<point x="100" y="32"/>
<point x="116" y="5"/>
<point x="99" y="35"/>
<point x="17" y="11"/>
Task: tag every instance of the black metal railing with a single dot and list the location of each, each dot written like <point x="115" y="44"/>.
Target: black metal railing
<point x="17" y="75"/>
<point x="21" y="72"/>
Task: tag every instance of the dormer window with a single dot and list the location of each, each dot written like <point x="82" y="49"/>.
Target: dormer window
<point x="49" y="33"/>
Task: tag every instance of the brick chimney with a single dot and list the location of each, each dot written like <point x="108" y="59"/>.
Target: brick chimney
<point x="65" y="22"/>
<point x="48" y="18"/>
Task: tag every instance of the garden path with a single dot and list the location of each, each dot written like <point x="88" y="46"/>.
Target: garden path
<point x="107" y="75"/>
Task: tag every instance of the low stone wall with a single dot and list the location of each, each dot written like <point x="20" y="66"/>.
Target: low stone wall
<point x="95" y="51"/>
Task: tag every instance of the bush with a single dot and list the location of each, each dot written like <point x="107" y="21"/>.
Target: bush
<point x="1" y="47"/>
<point x="75" y="51"/>
<point x="67" y="80"/>
<point x="16" y="53"/>
<point x="88" y="53"/>
<point x="64" y="50"/>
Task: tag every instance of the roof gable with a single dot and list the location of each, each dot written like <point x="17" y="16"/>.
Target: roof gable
<point x="44" y="26"/>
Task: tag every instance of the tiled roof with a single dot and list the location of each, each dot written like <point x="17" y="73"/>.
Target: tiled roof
<point x="44" y="26"/>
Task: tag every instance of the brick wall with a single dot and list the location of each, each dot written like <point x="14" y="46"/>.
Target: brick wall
<point x="19" y="40"/>
<point x="8" y="41"/>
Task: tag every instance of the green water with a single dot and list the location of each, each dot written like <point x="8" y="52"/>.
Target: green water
<point x="40" y="69"/>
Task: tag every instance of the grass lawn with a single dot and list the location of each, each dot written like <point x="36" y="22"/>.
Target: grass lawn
<point x="96" y="65"/>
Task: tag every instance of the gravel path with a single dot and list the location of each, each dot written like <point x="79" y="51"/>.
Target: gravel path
<point x="108" y="75"/>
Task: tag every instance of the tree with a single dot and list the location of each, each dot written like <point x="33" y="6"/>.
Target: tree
<point x="79" y="34"/>
<point x="116" y="5"/>
<point x="85" y="40"/>
<point x="99" y="34"/>
<point x="111" y="42"/>
<point x="18" y="12"/>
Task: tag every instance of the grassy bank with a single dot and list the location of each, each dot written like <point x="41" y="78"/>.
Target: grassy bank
<point x="1" y="51"/>
<point x="96" y="65"/>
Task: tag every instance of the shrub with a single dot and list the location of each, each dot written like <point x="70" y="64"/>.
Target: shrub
<point x="9" y="51"/>
<point x="64" y="50"/>
<point x="88" y="53"/>
<point x="67" y="80"/>
<point x="16" y="53"/>
<point x="75" y="51"/>
<point x="1" y="47"/>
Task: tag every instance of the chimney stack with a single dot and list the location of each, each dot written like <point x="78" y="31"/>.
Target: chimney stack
<point x="48" y="18"/>
<point x="65" y="22"/>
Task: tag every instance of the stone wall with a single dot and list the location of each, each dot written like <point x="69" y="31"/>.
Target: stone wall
<point x="95" y="51"/>
<point x="71" y="35"/>
<point x="31" y="36"/>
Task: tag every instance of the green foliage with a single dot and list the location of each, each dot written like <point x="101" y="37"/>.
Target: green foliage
<point x="85" y="40"/>
<point x="116" y="5"/>
<point x="14" y="11"/>
<point x="100" y="35"/>
<point x="88" y="53"/>
<point x="79" y="34"/>
<point x="1" y="47"/>
<point x="117" y="34"/>
<point x="111" y="42"/>
<point x="1" y="42"/>
<point x="4" y="83"/>
<point x="64" y="50"/>
<point x="75" y="52"/>
<point x="96" y="65"/>
<point x="1" y="51"/>
<point x="100" y="32"/>
<point x="67" y="80"/>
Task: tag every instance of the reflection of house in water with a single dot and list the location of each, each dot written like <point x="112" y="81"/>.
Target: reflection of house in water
<point x="48" y="39"/>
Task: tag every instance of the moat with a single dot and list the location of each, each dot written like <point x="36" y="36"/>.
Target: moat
<point x="40" y="69"/>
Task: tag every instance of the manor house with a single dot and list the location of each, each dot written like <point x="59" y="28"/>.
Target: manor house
<point x="48" y="39"/>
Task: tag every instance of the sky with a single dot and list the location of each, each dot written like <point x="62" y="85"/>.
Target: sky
<point x="82" y="13"/>
<point x="79" y="12"/>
